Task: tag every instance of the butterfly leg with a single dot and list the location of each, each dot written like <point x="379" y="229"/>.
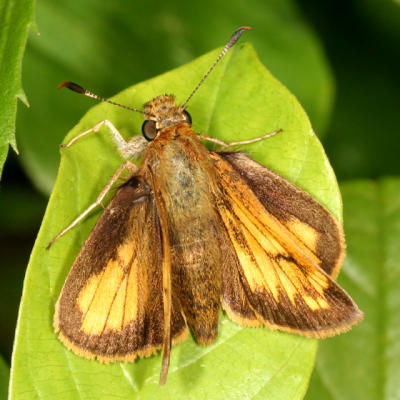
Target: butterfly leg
<point x="126" y="165"/>
<point x="132" y="148"/>
<point x="224" y="144"/>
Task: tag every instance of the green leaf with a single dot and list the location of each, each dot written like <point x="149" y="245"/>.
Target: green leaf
<point x="128" y="41"/>
<point x="4" y="378"/>
<point x="365" y="363"/>
<point x="15" y="19"/>
<point x="239" y="100"/>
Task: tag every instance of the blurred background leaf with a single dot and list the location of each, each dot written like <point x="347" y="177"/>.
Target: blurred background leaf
<point x="109" y="46"/>
<point x="4" y="377"/>
<point x="363" y="46"/>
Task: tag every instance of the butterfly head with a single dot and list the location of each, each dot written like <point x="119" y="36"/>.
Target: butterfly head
<point x="160" y="113"/>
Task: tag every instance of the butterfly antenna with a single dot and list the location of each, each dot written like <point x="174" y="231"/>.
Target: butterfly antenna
<point x="234" y="38"/>
<point x="79" y="89"/>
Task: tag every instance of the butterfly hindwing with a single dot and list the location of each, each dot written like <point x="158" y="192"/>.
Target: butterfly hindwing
<point x="277" y="270"/>
<point x="111" y="305"/>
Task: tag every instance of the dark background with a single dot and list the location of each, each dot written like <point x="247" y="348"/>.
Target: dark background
<point x="358" y="124"/>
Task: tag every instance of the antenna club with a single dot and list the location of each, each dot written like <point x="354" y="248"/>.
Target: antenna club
<point x="79" y="89"/>
<point x="236" y="36"/>
<point x="61" y="85"/>
<point x="72" y="86"/>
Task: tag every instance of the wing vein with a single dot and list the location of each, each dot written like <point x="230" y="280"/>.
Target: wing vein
<point x="92" y="299"/>
<point x="111" y="305"/>
<point x="256" y="264"/>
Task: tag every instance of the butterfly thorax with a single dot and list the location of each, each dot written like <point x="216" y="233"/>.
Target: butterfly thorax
<point x="164" y="111"/>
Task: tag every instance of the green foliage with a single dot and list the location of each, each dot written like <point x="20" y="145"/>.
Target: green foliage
<point x="244" y="362"/>
<point x="15" y="19"/>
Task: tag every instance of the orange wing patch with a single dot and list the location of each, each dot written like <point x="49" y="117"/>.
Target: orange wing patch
<point x="109" y="301"/>
<point x="304" y="233"/>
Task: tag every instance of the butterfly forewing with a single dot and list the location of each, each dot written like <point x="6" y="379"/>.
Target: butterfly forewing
<point x="277" y="265"/>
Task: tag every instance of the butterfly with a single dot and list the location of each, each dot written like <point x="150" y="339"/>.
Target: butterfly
<point x="193" y="230"/>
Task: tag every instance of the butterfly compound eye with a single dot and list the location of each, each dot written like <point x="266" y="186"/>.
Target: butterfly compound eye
<point x="188" y="117"/>
<point x="149" y="130"/>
